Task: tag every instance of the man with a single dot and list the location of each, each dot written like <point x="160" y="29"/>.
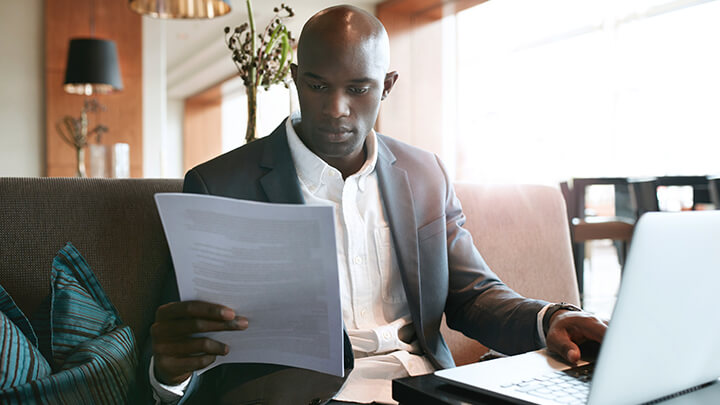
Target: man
<point x="403" y="254"/>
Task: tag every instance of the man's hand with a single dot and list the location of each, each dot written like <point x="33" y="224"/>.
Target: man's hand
<point x="568" y="329"/>
<point x="177" y="353"/>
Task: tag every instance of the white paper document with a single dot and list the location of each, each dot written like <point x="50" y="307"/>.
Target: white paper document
<point x="275" y="264"/>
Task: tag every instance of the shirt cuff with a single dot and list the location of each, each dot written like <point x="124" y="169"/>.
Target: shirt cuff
<point x="163" y="393"/>
<point x="540" y="317"/>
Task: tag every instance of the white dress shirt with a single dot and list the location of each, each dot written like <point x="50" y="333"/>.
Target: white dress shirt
<point x="374" y="306"/>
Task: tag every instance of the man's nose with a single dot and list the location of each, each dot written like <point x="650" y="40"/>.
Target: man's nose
<point x="337" y="105"/>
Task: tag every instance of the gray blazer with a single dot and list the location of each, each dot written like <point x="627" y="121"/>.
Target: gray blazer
<point x="441" y="270"/>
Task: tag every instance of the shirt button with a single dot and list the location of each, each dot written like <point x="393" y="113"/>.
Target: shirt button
<point x="386" y="335"/>
<point x="357" y="260"/>
<point x="363" y="312"/>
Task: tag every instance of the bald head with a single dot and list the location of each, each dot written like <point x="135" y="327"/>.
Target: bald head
<point x="341" y="77"/>
<point x="345" y="27"/>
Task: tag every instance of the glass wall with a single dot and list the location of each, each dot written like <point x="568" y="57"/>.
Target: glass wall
<point x="587" y="88"/>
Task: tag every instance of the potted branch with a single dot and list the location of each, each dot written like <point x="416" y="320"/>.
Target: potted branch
<point x="74" y="131"/>
<point x="261" y="59"/>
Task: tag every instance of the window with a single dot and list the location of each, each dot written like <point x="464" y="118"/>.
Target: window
<point x="568" y="88"/>
<point x="273" y="106"/>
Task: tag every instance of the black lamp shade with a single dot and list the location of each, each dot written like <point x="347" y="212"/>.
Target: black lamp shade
<point x="92" y="67"/>
<point x="181" y="8"/>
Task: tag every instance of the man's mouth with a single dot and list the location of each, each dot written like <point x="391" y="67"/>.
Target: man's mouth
<point x="335" y="133"/>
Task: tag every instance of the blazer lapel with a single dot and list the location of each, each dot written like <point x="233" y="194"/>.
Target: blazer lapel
<point x="280" y="183"/>
<point x="400" y="210"/>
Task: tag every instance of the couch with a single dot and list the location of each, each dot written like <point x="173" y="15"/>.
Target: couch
<point x="521" y="230"/>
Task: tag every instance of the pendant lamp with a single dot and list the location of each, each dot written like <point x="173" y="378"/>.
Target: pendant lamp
<point x="92" y="67"/>
<point x="181" y="8"/>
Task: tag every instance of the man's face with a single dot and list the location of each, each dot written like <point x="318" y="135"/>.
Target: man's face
<point x="340" y="89"/>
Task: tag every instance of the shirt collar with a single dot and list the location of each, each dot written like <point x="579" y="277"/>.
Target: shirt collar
<point x="310" y="168"/>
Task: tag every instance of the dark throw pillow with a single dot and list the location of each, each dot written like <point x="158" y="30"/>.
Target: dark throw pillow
<point x="93" y="356"/>
<point x="20" y="360"/>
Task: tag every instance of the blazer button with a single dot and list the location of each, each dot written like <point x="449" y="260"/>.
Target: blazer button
<point x="316" y="401"/>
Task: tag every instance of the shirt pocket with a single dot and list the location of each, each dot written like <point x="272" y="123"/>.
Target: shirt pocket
<point x="391" y="283"/>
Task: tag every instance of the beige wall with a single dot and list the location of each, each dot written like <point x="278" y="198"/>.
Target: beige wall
<point x="22" y="115"/>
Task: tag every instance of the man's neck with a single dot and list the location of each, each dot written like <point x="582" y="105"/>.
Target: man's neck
<point x="349" y="165"/>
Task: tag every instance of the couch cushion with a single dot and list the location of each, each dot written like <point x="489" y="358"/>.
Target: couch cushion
<point x="114" y="223"/>
<point x="522" y="233"/>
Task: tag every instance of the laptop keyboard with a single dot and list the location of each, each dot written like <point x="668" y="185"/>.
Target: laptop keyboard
<point x="566" y="387"/>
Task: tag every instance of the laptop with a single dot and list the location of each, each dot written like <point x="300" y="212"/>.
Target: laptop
<point x="663" y="339"/>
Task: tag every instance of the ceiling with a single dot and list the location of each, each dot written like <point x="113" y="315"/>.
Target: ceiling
<point x="196" y="53"/>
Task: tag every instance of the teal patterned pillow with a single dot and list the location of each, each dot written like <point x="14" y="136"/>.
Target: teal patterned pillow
<point x="20" y="360"/>
<point x="93" y="355"/>
<point x="79" y="308"/>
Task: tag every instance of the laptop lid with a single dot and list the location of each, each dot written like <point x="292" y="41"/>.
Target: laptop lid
<point x="664" y="336"/>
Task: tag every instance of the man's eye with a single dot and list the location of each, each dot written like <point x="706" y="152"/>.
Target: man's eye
<point x="317" y="86"/>
<point x="359" y="90"/>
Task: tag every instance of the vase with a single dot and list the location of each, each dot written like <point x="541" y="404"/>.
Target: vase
<point x="80" y="162"/>
<point x="98" y="160"/>
<point x="120" y="161"/>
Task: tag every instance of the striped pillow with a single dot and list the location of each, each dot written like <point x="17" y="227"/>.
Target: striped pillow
<point x="79" y="308"/>
<point x="20" y="360"/>
<point x="93" y="356"/>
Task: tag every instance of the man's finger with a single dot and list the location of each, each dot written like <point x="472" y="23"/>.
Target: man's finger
<point x="590" y="327"/>
<point x="194" y="346"/>
<point x="572" y="354"/>
<point x="194" y="309"/>
<point x="561" y="344"/>
<point x="571" y="329"/>
<point x="180" y="328"/>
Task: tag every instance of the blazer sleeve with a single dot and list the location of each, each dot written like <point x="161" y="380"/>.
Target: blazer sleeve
<point x="479" y="304"/>
<point x="194" y="183"/>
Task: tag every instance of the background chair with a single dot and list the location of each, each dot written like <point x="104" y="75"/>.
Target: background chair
<point x="522" y="233"/>
<point x="644" y="191"/>
<point x="618" y="228"/>
<point x="643" y="194"/>
<point x="700" y="187"/>
<point x="714" y="188"/>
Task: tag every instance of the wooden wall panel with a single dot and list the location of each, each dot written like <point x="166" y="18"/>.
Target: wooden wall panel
<point x="396" y="111"/>
<point x="65" y="19"/>
<point x="202" y="127"/>
<point x="413" y="111"/>
<point x="432" y="8"/>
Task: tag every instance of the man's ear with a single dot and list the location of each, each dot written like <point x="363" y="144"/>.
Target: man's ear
<point x="390" y="80"/>
<point x="293" y="72"/>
